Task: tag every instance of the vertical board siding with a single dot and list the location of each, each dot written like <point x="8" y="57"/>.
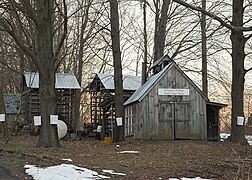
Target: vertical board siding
<point x="153" y="120"/>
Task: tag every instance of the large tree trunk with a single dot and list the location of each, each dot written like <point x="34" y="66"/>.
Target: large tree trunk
<point x="204" y="50"/>
<point x="119" y="110"/>
<point x="48" y="133"/>
<point x="160" y="30"/>
<point x="84" y="22"/>
<point x="48" y="136"/>
<point x="238" y="73"/>
<point x="144" y="64"/>
<point x="2" y="111"/>
<point x="2" y="104"/>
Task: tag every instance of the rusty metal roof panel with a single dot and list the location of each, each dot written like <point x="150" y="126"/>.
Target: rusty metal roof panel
<point x="62" y="80"/>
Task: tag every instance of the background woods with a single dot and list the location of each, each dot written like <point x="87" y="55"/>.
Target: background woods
<point x="85" y="37"/>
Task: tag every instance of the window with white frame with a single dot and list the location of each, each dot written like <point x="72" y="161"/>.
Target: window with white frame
<point x="129" y="130"/>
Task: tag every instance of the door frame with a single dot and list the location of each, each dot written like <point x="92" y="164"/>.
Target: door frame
<point x="175" y="120"/>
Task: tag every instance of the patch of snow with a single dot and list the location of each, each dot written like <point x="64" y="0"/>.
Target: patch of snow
<point x="129" y="152"/>
<point x="62" y="172"/>
<point x="224" y="136"/>
<point x="70" y="160"/>
<point x="196" y="178"/>
<point x="249" y="139"/>
<point x="112" y="172"/>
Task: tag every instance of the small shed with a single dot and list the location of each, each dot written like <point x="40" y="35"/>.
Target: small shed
<point x="102" y="91"/>
<point x="66" y="86"/>
<point x="170" y="106"/>
<point x="11" y="102"/>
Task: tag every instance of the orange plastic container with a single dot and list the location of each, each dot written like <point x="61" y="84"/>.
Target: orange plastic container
<point x="107" y="140"/>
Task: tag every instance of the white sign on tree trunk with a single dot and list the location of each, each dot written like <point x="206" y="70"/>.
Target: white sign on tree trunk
<point x="2" y="117"/>
<point x="174" y="92"/>
<point x="119" y="121"/>
<point x="37" y="120"/>
<point x="240" y="120"/>
<point x="53" y="119"/>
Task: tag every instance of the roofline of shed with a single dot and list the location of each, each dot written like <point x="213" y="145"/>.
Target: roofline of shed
<point x="191" y="82"/>
<point x="221" y="105"/>
<point x="172" y="63"/>
<point x="161" y="75"/>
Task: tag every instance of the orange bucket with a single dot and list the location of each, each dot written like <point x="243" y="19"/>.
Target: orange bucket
<point x="107" y="140"/>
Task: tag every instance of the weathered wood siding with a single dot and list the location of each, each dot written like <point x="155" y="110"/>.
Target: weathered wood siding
<point x="170" y="117"/>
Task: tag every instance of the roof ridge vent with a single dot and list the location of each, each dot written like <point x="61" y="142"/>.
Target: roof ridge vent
<point x="160" y="64"/>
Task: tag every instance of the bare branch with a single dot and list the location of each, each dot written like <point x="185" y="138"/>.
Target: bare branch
<point x="217" y="18"/>
<point x="8" y="28"/>
<point x="56" y="54"/>
<point x="30" y="11"/>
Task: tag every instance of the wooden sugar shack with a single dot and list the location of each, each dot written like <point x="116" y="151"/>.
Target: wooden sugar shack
<point x="170" y="106"/>
<point x="66" y="86"/>
<point x="102" y="105"/>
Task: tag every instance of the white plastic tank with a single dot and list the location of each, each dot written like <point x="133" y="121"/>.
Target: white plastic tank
<point x="62" y="129"/>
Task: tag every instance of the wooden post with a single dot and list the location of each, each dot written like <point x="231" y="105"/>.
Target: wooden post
<point x="3" y="129"/>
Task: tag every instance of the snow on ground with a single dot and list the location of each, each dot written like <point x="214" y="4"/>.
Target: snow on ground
<point x="128" y="152"/>
<point x="224" y="136"/>
<point x="69" y="160"/>
<point x="112" y="172"/>
<point x="62" y="172"/>
<point x="197" y="178"/>
<point x="68" y="171"/>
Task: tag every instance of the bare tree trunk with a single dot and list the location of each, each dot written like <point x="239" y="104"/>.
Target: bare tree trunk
<point x="119" y="110"/>
<point x="204" y="50"/>
<point x="80" y="63"/>
<point x="238" y="70"/>
<point x="160" y="30"/>
<point x="2" y="106"/>
<point x="238" y="73"/>
<point x="144" y="64"/>
<point x="2" y="111"/>
<point x="48" y="133"/>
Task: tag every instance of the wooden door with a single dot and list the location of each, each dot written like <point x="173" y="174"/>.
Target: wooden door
<point x="166" y="120"/>
<point x="182" y="120"/>
<point x="174" y="120"/>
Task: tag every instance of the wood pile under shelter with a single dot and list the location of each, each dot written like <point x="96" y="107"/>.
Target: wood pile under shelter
<point x="171" y="106"/>
<point x="102" y="104"/>
<point x="66" y="86"/>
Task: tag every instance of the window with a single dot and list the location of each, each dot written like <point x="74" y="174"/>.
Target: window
<point x="129" y="129"/>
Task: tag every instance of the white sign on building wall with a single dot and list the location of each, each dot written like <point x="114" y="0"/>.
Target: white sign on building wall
<point x="174" y="92"/>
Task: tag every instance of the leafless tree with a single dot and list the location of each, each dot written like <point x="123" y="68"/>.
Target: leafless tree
<point x="119" y="111"/>
<point x="238" y="40"/>
<point x="204" y="50"/>
<point x="37" y="42"/>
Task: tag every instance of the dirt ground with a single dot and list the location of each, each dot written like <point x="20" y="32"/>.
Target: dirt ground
<point x="155" y="160"/>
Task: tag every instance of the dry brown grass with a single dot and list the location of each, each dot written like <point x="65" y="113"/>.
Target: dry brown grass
<point x="156" y="160"/>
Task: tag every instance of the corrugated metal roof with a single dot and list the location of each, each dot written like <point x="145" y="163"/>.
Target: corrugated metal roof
<point x="129" y="82"/>
<point x="62" y="80"/>
<point x="11" y="102"/>
<point x="144" y="89"/>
